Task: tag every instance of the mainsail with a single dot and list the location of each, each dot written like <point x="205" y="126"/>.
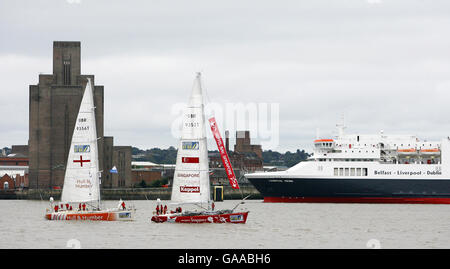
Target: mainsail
<point x="81" y="180"/>
<point x="191" y="178"/>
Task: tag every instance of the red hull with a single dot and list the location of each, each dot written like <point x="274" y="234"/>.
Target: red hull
<point x="360" y="200"/>
<point x="97" y="216"/>
<point x="240" y="217"/>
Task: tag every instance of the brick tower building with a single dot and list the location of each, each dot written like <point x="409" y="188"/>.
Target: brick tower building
<point x="53" y="106"/>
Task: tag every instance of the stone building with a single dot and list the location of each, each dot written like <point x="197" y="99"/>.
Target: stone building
<point x="244" y="145"/>
<point x="6" y="183"/>
<point x="53" y="108"/>
<point x="245" y="158"/>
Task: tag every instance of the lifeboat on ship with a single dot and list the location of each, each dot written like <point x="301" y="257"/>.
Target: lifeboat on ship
<point x="430" y="152"/>
<point x="324" y="143"/>
<point x="407" y="152"/>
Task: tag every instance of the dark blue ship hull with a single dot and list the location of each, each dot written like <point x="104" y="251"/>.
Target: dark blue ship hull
<point x="354" y="190"/>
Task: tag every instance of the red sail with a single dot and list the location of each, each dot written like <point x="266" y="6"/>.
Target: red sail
<point x="223" y="154"/>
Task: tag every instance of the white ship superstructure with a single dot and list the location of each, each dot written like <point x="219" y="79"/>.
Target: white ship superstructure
<point x="377" y="167"/>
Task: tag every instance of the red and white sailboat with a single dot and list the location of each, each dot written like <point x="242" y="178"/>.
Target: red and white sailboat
<point x="80" y="199"/>
<point x="191" y="183"/>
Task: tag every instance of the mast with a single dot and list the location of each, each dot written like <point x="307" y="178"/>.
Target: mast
<point x="95" y="142"/>
<point x="341" y="126"/>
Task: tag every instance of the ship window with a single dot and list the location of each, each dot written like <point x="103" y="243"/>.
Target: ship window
<point x="347" y="171"/>
<point x="336" y="171"/>
<point x="341" y="171"/>
<point x="364" y="172"/>
<point x="358" y="172"/>
<point x="352" y="172"/>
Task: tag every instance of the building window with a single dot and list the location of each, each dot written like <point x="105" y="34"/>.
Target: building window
<point x="352" y="172"/>
<point x="358" y="172"/>
<point x="66" y="72"/>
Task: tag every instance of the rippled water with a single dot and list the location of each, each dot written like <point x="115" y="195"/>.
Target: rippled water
<point x="337" y="226"/>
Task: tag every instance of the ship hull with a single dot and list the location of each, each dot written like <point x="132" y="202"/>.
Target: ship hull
<point x="355" y="190"/>
<point x="91" y="215"/>
<point x="240" y="217"/>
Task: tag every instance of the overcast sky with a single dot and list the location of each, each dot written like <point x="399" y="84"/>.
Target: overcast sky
<point x="384" y="64"/>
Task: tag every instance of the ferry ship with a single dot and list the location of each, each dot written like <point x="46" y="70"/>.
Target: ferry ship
<point x="354" y="168"/>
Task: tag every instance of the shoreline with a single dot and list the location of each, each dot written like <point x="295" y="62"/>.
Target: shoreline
<point x="126" y="194"/>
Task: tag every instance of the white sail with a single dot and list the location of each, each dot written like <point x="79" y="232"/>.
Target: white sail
<point x="191" y="177"/>
<point x="81" y="180"/>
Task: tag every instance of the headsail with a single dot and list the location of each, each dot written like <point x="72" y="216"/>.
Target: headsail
<point x="191" y="178"/>
<point x="81" y="180"/>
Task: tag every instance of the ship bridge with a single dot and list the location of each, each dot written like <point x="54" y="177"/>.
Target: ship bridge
<point x="401" y="149"/>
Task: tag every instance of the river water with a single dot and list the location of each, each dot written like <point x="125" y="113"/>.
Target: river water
<point x="269" y="226"/>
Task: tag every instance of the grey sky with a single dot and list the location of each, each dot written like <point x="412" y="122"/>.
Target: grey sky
<point x="385" y="64"/>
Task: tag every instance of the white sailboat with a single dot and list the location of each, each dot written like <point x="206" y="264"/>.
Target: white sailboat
<point x="191" y="183"/>
<point x="81" y="187"/>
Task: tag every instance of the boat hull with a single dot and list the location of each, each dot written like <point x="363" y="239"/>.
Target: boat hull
<point x="125" y="215"/>
<point x="240" y="217"/>
<point x="330" y="190"/>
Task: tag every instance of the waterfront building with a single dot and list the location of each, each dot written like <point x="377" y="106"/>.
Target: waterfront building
<point x="245" y="158"/>
<point x="53" y="107"/>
